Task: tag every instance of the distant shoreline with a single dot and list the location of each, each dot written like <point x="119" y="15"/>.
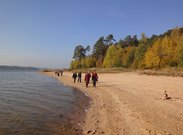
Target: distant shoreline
<point x="17" y="68"/>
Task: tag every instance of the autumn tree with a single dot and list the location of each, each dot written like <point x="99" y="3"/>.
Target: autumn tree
<point x="167" y="55"/>
<point x="140" y="51"/>
<point x="177" y="40"/>
<point x="99" y="50"/>
<point x="128" y="56"/>
<point x="151" y="40"/>
<point x="128" y="41"/>
<point x="180" y="51"/>
<point x="139" y="55"/>
<point x="180" y="62"/>
<point x="165" y="50"/>
<point x="152" y="56"/>
<point x="113" y="57"/>
<point x="75" y="64"/>
<point x="79" y="55"/>
<point x="109" y="40"/>
<point x="80" y="52"/>
<point x="90" y="62"/>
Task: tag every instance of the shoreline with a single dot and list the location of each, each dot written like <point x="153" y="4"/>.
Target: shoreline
<point x="129" y="103"/>
<point x="78" y="113"/>
<point x="87" y="126"/>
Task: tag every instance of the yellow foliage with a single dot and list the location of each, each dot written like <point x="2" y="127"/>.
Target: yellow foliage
<point x="152" y="56"/>
<point x="113" y="57"/>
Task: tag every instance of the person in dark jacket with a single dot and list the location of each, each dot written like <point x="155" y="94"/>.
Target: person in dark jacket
<point x="58" y="73"/>
<point x="61" y="72"/>
<point x="87" y="78"/>
<point x="55" y="72"/>
<point x="79" y="76"/>
<point x="94" y="78"/>
<point x="74" y="76"/>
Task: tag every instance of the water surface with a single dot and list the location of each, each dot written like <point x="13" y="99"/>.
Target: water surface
<point x="34" y="104"/>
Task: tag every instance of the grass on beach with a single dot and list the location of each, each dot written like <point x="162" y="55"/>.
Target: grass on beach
<point x="176" y="72"/>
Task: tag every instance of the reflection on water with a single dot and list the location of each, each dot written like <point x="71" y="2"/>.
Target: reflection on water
<point x="31" y="104"/>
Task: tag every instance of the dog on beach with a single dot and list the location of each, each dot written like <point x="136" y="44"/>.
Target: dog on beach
<point x="166" y="95"/>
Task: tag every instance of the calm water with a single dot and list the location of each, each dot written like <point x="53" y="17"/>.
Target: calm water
<point x="34" y="104"/>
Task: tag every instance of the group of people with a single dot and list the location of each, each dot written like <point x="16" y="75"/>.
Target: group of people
<point x="75" y="75"/>
<point x="88" y="75"/>
<point x="59" y="72"/>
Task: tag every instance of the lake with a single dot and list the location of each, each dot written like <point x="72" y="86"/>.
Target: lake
<point x="34" y="104"/>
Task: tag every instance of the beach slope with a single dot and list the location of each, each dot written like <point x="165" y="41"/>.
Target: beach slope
<point x="131" y="104"/>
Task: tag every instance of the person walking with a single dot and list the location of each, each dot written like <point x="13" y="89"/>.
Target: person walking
<point x="61" y="72"/>
<point x="94" y="78"/>
<point x="74" y="76"/>
<point x="58" y="74"/>
<point x="79" y="76"/>
<point x="87" y="78"/>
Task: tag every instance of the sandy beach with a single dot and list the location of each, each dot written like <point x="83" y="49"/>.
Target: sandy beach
<point x="131" y="104"/>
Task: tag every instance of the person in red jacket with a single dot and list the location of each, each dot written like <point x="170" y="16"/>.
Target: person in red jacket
<point x="94" y="78"/>
<point x="87" y="78"/>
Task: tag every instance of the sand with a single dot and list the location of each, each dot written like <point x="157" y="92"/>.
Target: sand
<point x="131" y="104"/>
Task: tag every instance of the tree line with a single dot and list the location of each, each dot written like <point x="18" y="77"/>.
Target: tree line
<point x="165" y="50"/>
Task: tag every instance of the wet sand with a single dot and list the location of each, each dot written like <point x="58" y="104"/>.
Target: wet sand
<point x="132" y="104"/>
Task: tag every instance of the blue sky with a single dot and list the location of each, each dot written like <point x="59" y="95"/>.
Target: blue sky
<point x="44" y="33"/>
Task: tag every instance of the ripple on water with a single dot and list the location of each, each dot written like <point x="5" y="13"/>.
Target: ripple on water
<point x="32" y="103"/>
